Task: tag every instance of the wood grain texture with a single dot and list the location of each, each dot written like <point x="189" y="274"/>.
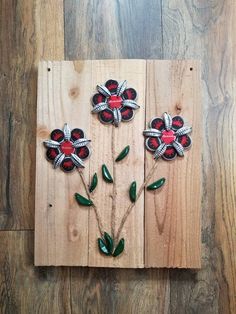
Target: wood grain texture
<point x="25" y="288"/>
<point x="113" y="29"/>
<point x="66" y="233"/>
<point x="172" y="214"/>
<point x="30" y="30"/>
<point x="206" y="30"/>
<point x="129" y="170"/>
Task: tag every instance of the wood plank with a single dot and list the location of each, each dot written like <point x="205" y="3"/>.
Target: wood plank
<point x="61" y="227"/>
<point x="119" y="29"/>
<point x="172" y="215"/>
<point x="123" y="290"/>
<point x="30" y="30"/>
<point x="206" y="30"/>
<point x="127" y="171"/>
<point x="25" y="288"/>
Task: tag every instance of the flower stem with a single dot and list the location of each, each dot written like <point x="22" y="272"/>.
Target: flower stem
<point x="98" y="218"/>
<point x="114" y="194"/>
<point x="131" y="206"/>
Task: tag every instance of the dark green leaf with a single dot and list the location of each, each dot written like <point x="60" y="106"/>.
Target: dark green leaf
<point x="132" y="192"/>
<point x="123" y="154"/>
<point x="109" y="242"/>
<point x="82" y="200"/>
<point x="93" y="183"/>
<point x="157" y="184"/>
<point x="120" y="247"/>
<point x="102" y="247"/>
<point x="106" y="174"/>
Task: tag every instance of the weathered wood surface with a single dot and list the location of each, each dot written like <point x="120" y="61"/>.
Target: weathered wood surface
<point x="178" y="29"/>
<point x="66" y="233"/>
<point x="172" y="214"/>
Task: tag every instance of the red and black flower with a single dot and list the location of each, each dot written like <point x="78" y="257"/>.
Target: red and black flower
<point x="114" y="102"/>
<point x="167" y="137"/>
<point x="67" y="148"/>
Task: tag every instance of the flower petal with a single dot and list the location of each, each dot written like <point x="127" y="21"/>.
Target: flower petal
<point x="51" y="143"/>
<point x="98" y="98"/>
<point x="57" y="135"/>
<point x="130" y="93"/>
<point x="112" y="85"/>
<point x="117" y="116"/>
<point x="177" y="122"/>
<point x="127" y="114"/>
<point x="67" y="164"/>
<point x="152" y="143"/>
<point x="52" y="153"/>
<point x="77" y="134"/>
<point x="99" y="107"/>
<point x="130" y="104"/>
<point x="106" y="116"/>
<point x="67" y="132"/>
<point x="184" y="130"/>
<point x="179" y="148"/>
<point x="83" y="152"/>
<point x="103" y="90"/>
<point x="81" y="142"/>
<point x="121" y="88"/>
<point x="157" y="123"/>
<point x="152" y="132"/>
<point x="77" y="161"/>
<point x="167" y="120"/>
<point x="185" y="140"/>
<point x="170" y="153"/>
<point x="58" y="160"/>
<point x="160" y="150"/>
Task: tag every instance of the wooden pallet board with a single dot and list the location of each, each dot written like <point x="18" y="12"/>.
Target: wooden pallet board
<point x="65" y="233"/>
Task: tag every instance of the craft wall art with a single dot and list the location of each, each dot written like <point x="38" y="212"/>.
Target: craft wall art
<point x="105" y="167"/>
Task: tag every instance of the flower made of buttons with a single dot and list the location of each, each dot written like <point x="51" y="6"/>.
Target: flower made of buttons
<point x="167" y="137"/>
<point x="67" y="148"/>
<point x="114" y="102"/>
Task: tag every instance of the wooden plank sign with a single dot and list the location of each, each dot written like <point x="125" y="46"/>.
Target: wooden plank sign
<point x="163" y="226"/>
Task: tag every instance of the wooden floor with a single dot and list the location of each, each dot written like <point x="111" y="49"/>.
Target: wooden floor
<point x="75" y="29"/>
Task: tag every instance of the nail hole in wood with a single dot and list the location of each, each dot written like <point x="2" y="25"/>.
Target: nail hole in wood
<point x="50" y="205"/>
<point x="191" y="69"/>
<point x="49" y="69"/>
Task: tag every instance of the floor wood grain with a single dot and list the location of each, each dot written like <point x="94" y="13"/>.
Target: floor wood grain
<point x="170" y="29"/>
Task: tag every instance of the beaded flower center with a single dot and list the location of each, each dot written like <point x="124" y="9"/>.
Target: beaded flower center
<point x="67" y="148"/>
<point x="168" y="137"/>
<point x="115" y="101"/>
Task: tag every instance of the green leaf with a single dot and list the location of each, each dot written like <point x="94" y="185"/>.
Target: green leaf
<point x="106" y="174"/>
<point x="109" y="242"/>
<point x="157" y="184"/>
<point x="132" y="191"/>
<point x="102" y="247"/>
<point x="93" y="183"/>
<point x="123" y="154"/>
<point x="82" y="200"/>
<point x="119" y="248"/>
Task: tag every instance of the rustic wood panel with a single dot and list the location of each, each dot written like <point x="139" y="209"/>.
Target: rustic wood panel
<point x="25" y="288"/>
<point x="64" y="95"/>
<point x="61" y="227"/>
<point x="127" y="171"/>
<point x="30" y="30"/>
<point x="172" y="214"/>
<point x="206" y="30"/>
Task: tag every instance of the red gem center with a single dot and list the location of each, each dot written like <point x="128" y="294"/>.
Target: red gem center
<point x="168" y="136"/>
<point x="115" y="101"/>
<point x="67" y="148"/>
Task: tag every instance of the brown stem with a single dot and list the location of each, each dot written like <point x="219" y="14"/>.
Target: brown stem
<point x="113" y="210"/>
<point x="130" y="207"/>
<point x="98" y="218"/>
